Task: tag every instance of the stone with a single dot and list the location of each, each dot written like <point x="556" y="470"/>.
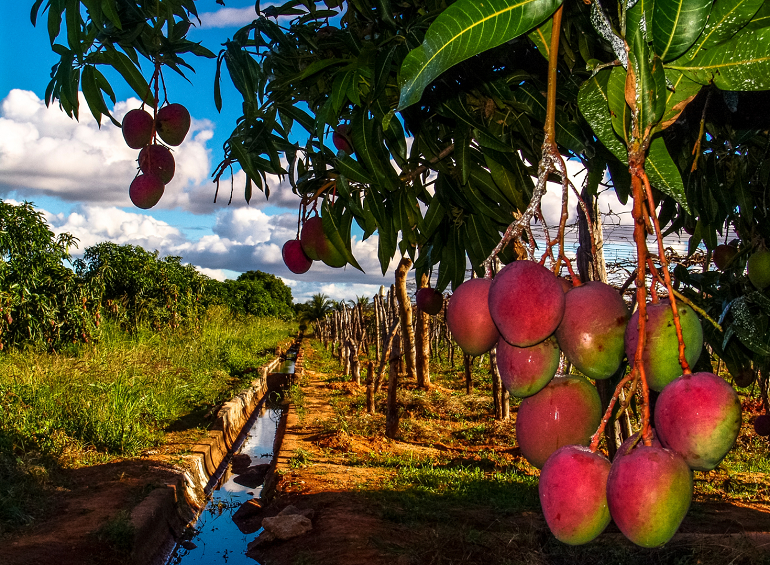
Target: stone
<point x="287" y="526"/>
<point x="240" y="463"/>
<point x="248" y="518"/>
<point x="253" y="476"/>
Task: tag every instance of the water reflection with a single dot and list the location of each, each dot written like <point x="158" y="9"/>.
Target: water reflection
<point x="217" y="539"/>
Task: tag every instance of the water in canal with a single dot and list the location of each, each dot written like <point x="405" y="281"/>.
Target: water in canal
<point x="217" y="538"/>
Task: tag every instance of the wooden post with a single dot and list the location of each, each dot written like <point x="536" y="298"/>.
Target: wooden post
<point x="422" y="343"/>
<point x="497" y="384"/>
<point x="370" y="387"/>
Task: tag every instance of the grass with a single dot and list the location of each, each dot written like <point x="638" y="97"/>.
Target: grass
<point x="117" y="398"/>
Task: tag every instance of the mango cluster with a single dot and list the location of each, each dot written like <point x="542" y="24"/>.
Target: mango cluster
<point x="532" y="318"/>
<point x="312" y="245"/>
<point x="156" y="163"/>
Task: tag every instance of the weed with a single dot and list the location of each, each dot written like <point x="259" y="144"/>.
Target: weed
<point x="118" y="532"/>
<point x="301" y="458"/>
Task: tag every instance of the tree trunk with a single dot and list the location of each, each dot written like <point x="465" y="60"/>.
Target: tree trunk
<point x="497" y="384"/>
<point x="385" y="356"/>
<point x="377" y="329"/>
<point x="506" y="405"/>
<point x="391" y="418"/>
<point x="405" y="314"/>
<point x="355" y="364"/>
<point x="422" y="343"/>
<point x="370" y="387"/>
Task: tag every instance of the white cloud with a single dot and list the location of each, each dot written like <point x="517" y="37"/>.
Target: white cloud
<point x="234" y="17"/>
<point x="228" y="17"/>
<point x="44" y="152"/>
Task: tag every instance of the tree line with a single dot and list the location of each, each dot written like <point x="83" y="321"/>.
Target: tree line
<point x="50" y="300"/>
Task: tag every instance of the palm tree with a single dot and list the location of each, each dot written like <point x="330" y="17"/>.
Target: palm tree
<point x="317" y="307"/>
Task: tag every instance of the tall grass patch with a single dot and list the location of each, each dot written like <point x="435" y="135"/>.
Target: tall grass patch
<point x="118" y="396"/>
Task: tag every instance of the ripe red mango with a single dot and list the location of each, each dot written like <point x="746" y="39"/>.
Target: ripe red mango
<point x="341" y="138"/>
<point x="317" y="246"/>
<point x="661" y="351"/>
<point x="145" y="191"/>
<point x="573" y="494"/>
<point x="172" y="123"/>
<point x="526" y="301"/>
<point x="159" y="161"/>
<point x="294" y="258"/>
<point x="566" y="411"/>
<point x="649" y="492"/>
<point x="526" y="370"/>
<point x="723" y="254"/>
<point x="429" y="301"/>
<point x="468" y="317"/>
<point x="699" y="417"/>
<point x="137" y="128"/>
<point x="592" y="330"/>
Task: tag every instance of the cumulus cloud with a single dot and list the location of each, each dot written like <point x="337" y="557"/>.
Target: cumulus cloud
<point x="44" y="152"/>
<point x="234" y="17"/>
<point x="243" y="239"/>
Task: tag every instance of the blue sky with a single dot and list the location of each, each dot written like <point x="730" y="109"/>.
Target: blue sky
<point x="79" y="174"/>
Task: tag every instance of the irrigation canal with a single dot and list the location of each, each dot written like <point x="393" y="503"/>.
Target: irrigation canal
<point x="216" y="537"/>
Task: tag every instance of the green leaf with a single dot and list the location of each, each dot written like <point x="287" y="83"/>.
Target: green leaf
<point x="337" y="228"/>
<point x="248" y="189"/>
<point x="383" y="214"/>
<point x="761" y="18"/>
<point x="663" y="172"/>
<point x="370" y="149"/>
<point x="649" y="99"/>
<point x="676" y="24"/>
<point x="510" y="185"/>
<point x="541" y="37"/>
<point x="452" y="265"/>
<point x="433" y="218"/>
<point x="743" y="63"/>
<point x="480" y="240"/>
<point x="682" y="91"/>
<point x="594" y="105"/>
<point x="353" y="169"/>
<point x="568" y="134"/>
<point x="93" y="94"/>
<point x="342" y="82"/>
<point x="110" y="9"/>
<point x="619" y="110"/>
<point x="464" y="29"/>
<point x="726" y="19"/>
<point x="131" y="74"/>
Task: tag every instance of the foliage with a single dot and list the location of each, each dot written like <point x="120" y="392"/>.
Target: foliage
<point x="255" y="293"/>
<point x="42" y="302"/>
<point x="141" y="288"/>
<point x="314" y="309"/>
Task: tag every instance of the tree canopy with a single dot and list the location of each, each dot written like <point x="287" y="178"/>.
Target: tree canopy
<point x="455" y="107"/>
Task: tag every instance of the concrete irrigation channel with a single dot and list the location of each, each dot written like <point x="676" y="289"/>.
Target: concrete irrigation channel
<point x="195" y="520"/>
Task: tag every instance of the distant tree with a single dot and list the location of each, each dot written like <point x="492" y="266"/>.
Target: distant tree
<point x="315" y="308"/>
<point x="258" y="294"/>
<point x="141" y="288"/>
<point x="42" y="302"/>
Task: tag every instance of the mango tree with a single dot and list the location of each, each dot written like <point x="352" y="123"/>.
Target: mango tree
<point x="451" y="117"/>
